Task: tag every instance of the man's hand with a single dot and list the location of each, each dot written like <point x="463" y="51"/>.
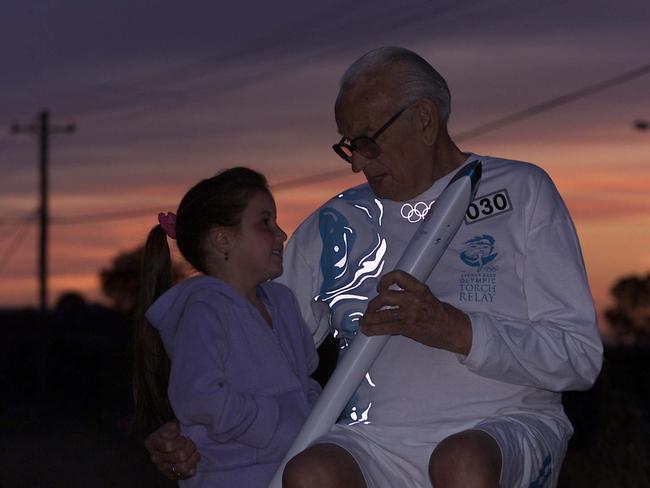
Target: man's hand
<point x="174" y="455"/>
<point x="414" y="312"/>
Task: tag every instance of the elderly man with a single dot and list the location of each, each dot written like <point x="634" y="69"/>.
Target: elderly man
<point x="467" y="390"/>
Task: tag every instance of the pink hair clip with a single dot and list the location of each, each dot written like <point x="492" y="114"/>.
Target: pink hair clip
<point x="168" y="223"/>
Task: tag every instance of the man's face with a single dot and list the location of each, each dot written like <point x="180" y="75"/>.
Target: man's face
<point x="400" y="171"/>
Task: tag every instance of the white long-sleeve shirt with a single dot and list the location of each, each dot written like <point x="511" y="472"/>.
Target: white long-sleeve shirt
<point x="514" y="267"/>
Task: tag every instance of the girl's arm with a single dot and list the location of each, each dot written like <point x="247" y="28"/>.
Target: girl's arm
<point x="200" y="394"/>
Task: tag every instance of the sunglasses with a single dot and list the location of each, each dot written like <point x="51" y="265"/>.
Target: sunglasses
<point x="364" y="145"/>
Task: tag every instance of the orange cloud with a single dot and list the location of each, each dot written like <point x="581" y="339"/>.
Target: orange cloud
<point x="605" y="208"/>
<point x="609" y="207"/>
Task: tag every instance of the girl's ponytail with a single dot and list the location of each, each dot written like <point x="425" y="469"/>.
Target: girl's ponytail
<point x="216" y="201"/>
<point x="150" y="361"/>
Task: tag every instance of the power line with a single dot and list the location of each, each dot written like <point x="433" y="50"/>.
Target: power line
<point x="309" y="180"/>
<point x="13" y="246"/>
<point x="143" y="212"/>
<point x="334" y="174"/>
<point x="281" y="45"/>
<point x="104" y="216"/>
<point x="499" y="123"/>
<point x="555" y="102"/>
<point x="28" y="218"/>
<point x="316" y="27"/>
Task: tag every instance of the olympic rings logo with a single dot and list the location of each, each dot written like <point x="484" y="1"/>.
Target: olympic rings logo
<point x="415" y="213"/>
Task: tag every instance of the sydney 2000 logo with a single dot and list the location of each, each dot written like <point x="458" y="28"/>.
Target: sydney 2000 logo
<point x="478" y="251"/>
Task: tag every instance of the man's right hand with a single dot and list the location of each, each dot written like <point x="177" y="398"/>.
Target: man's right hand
<point x="174" y="455"/>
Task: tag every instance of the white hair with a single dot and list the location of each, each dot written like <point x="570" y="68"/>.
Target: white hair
<point x="416" y="78"/>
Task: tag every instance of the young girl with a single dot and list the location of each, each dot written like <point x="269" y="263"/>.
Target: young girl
<point x="240" y="354"/>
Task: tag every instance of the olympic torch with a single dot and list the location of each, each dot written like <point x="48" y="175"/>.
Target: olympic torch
<point x="420" y="257"/>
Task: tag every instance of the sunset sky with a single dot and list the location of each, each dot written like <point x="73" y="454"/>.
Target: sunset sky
<point x="165" y="93"/>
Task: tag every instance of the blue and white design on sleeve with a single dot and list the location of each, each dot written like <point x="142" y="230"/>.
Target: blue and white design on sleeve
<point x="352" y="259"/>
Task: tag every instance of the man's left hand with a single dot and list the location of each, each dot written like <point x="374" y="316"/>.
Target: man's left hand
<point x="416" y="313"/>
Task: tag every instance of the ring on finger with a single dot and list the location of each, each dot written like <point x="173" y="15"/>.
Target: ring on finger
<point x="173" y="470"/>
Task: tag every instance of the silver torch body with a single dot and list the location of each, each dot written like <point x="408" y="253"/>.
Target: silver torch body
<point x="420" y="257"/>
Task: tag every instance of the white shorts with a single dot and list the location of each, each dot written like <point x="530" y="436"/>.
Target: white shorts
<point x="532" y="451"/>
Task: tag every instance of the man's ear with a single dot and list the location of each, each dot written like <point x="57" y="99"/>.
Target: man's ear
<point x="221" y="239"/>
<point x="427" y="112"/>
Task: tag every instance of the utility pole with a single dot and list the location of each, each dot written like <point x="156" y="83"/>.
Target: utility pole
<point x="43" y="129"/>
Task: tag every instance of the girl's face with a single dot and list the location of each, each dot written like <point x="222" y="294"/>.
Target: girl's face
<point x="259" y="242"/>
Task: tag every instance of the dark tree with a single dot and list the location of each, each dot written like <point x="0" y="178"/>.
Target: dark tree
<point x="629" y="317"/>
<point x="120" y="281"/>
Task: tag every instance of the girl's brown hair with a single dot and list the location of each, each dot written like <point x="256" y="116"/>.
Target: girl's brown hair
<point x="216" y="201"/>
